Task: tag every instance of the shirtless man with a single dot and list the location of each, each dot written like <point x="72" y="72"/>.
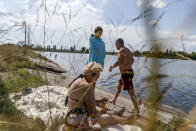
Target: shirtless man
<point x="125" y="61"/>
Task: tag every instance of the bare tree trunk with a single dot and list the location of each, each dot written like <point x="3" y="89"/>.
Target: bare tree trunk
<point x="25" y="40"/>
<point x="28" y="37"/>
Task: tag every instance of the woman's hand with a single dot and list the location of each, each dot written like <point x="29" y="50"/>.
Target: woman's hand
<point x="105" y="99"/>
<point x="102" y="100"/>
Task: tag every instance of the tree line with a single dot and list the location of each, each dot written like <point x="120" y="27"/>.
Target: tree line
<point x="158" y="54"/>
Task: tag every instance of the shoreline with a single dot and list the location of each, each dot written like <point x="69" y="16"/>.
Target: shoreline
<point x="143" y="56"/>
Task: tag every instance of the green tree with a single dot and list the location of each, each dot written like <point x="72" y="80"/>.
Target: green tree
<point x="87" y="51"/>
<point x="48" y="48"/>
<point x="83" y="49"/>
<point x="61" y="48"/>
<point x="54" y="47"/>
<point x="72" y="49"/>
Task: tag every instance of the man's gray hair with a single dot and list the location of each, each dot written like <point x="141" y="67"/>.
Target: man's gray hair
<point x="120" y="40"/>
<point x="92" y="68"/>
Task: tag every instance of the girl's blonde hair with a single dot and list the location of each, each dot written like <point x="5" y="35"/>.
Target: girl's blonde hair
<point x="92" y="68"/>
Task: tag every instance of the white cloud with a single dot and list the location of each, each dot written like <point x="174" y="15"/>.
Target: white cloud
<point x="152" y="22"/>
<point x="91" y="8"/>
<point x="7" y="16"/>
<point x="152" y="3"/>
<point x="2" y="7"/>
<point x="2" y="4"/>
<point x="158" y="4"/>
<point x="142" y="3"/>
<point x="78" y="11"/>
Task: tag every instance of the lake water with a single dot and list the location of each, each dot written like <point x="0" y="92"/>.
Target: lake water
<point x="181" y="74"/>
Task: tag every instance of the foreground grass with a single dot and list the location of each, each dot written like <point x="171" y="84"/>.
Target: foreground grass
<point x="173" y="125"/>
<point x="15" y="77"/>
<point x="19" y="122"/>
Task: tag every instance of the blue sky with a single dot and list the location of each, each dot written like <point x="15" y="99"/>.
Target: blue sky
<point x="113" y="15"/>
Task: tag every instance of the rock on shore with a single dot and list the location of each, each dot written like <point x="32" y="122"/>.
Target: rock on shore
<point x="47" y="65"/>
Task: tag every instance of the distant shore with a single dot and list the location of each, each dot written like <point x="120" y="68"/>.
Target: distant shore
<point x="175" y="55"/>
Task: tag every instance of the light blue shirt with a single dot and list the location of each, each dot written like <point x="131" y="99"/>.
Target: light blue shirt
<point x="96" y="50"/>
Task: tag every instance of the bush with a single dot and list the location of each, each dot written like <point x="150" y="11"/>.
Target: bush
<point x="3" y="90"/>
<point x="7" y="107"/>
<point x="21" y="79"/>
<point x="173" y="124"/>
<point x="176" y="122"/>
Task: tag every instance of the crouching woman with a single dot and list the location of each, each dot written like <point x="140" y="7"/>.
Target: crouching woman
<point x="82" y="112"/>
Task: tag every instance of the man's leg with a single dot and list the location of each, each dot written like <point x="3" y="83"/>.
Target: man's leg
<point x="134" y="100"/>
<point x="118" y="89"/>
